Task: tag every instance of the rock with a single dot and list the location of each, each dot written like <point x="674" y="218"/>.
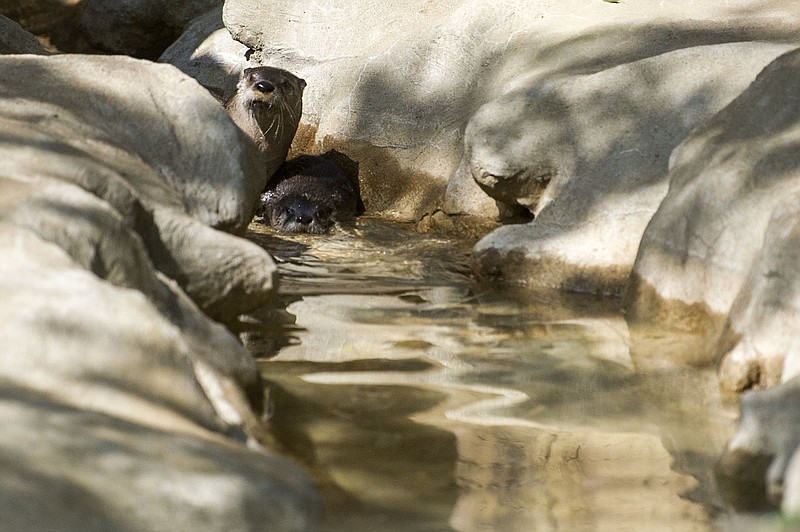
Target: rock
<point x="141" y="28"/>
<point x="136" y="402"/>
<point x="123" y="394"/>
<point x="207" y="52"/>
<point x="55" y="347"/>
<point x="758" y="341"/>
<point x="394" y="85"/>
<point x="94" y="472"/>
<point x="754" y="467"/>
<point x="587" y="154"/>
<point x="722" y="244"/>
<point x="15" y="40"/>
<point x="139" y="150"/>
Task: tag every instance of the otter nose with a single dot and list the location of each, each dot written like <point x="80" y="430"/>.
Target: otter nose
<point x="264" y="86"/>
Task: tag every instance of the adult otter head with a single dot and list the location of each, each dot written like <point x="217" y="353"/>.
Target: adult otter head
<point x="267" y="106"/>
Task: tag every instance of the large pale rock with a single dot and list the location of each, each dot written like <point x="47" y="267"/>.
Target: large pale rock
<point x="160" y="149"/>
<point x="136" y="398"/>
<point x="141" y="28"/>
<point x="207" y="52"/>
<point x="723" y="242"/>
<point x="394" y="84"/>
<point x="130" y="368"/>
<point x="760" y="340"/>
<point x="48" y="295"/>
<point x="76" y="470"/>
<point x="588" y="155"/>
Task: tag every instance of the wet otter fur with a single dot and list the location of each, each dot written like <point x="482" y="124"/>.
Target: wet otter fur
<point x="310" y="194"/>
<point x="267" y="106"/>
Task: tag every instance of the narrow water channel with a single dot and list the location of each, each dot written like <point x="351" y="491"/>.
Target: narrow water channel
<point x="421" y="400"/>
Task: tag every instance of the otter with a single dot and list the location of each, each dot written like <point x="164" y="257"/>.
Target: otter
<point x="309" y="194"/>
<point x="267" y="106"/>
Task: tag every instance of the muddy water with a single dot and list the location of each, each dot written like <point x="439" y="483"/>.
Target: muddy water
<point x="422" y="400"/>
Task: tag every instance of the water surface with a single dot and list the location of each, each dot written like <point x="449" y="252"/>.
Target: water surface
<point x="422" y="400"/>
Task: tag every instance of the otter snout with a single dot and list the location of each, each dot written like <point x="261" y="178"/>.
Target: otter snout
<point x="303" y="217"/>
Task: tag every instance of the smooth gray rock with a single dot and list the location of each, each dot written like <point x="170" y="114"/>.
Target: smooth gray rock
<point x="722" y="243"/>
<point x="128" y="408"/>
<point x="73" y="469"/>
<point x="15" y="40"/>
<point x="759" y="341"/>
<point x="587" y="154"/>
<point x="160" y="149"/>
<point x="112" y="399"/>
<point x="207" y="52"/>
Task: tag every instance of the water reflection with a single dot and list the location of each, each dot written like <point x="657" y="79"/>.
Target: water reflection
<point x="422" y="401"/>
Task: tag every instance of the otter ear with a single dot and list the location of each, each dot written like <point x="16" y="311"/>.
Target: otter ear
<point x="302" y="83"/>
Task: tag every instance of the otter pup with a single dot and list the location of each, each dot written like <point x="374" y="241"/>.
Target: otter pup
<point x="309" y="194"/>
<point x="267" y="107"/>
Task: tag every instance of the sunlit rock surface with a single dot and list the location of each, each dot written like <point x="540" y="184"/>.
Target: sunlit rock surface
<point x="130" y="133"/>
<point x="724" y="240"/>
<point x="395" y="85"/>
<point x="207" y="52"/>
<point x="720" y="257"/>
<point x="118" y="389"/>
<point x="588" y="153"/>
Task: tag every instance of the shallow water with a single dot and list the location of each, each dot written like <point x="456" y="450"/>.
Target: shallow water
<point x="422" y="400"/>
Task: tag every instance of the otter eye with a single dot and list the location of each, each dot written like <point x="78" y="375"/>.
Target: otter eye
<point x="264" y="86"/>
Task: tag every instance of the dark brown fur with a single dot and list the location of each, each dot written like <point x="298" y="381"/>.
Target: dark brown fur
<point x="309" y="194"/>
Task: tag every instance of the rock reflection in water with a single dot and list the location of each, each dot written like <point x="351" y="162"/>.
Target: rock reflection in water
<point x="421" y="401"/>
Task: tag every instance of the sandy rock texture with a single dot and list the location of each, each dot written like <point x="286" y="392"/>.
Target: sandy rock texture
<point x="587" y="154"/>
<point x="115" y="190"/>
<point x="720" y="256"/>
<point x="138" y="150"/>
<point x="720" y="253"/>
<point x="566" y="109"/>
<point x="207" y="52"/>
